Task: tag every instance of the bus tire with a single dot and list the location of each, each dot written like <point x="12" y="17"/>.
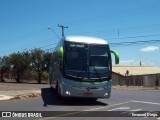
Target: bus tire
<point x="58" y="89"/>
<point x="51" y="86"/>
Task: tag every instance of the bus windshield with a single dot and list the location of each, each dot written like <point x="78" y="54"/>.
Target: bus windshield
<point x="75" y="57"/>
<point x="99" y="58"/>
<point x="86" y="62"/>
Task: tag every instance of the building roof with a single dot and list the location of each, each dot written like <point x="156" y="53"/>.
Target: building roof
<point x="136" y="70"/>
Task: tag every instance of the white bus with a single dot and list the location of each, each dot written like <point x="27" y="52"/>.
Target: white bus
<point x="82" y="67"/>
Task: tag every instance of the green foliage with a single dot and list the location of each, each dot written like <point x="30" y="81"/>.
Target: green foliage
<point x="4" y="66"/>
<point x="26" y="65"/>
<point x="40" y="62"/>
<point x="45" y="75"/>
<point x="19" y="62"/>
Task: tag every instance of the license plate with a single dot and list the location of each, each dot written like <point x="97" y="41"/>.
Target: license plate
<point x="88" y="94"/>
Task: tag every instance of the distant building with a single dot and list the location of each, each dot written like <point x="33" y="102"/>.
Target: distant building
<point x="146" y="76"/>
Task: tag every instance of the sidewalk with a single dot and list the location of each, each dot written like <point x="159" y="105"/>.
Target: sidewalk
<point x="8" y="92"/>
<point x="4" y="97"/>
<point x="23" y="94"/>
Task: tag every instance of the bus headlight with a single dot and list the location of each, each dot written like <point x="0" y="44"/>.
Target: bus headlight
<point x="105" y="94"/>
<point x="68" y="93"/>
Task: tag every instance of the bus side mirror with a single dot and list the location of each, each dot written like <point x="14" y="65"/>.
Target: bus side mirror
<point x="116" y="56"/>
<point x="61" y="53"/>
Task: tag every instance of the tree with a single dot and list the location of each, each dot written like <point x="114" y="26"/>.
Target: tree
<point x="47" y="60"/>
<point x="4" y="66"/>
<point x="19" y="63"/>
<point x="40" y="62"/>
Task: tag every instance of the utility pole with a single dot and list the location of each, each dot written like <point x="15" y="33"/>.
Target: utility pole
<point x="62" y="28"/>
<point x="140" y="63"/>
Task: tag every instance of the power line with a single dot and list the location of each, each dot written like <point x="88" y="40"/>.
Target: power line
<point x="133" y="29"/>
<point x="42" y="30"/>
<point x="30" y="49"/>
<point x="117" y="44"/>
<point x="133" y="43"/>
<point x="140" y="36"/>
<point x="118" y="14"/>
<point x="48" y="45"/>
<point x="127" y="29"/>
<point x="131" y="11"/>
<point x="54" y="32"/>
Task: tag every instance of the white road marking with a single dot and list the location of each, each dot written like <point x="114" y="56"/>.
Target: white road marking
<point x="92" y="109"/>
<point x="153" y="103"/>
<point x="121" y="108"/>
<point x="158" y="118"/>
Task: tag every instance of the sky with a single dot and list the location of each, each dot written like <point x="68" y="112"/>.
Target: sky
<point x="24" y="25"/>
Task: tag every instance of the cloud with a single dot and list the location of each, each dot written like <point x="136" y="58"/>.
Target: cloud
<point x="128" y="63"/>
<point x="150" y="49"/>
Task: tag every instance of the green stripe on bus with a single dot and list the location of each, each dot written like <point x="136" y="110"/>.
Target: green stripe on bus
<point x="94" y="82"/>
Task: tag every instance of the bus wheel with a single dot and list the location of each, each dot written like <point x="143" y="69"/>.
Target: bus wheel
<point x="58" y="90"/>
<point x="56" y="87"/>
<point x="51" y="86"/>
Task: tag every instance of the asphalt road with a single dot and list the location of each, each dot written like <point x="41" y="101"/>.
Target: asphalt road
<point x="125" y="101"/>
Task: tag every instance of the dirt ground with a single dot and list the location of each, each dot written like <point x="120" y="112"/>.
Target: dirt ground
<point x="16" y="88"/>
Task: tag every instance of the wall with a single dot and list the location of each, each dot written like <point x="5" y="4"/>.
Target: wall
<point x="136" y="80"/>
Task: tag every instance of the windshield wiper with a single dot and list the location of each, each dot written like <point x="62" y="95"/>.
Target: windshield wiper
<point x="78" y="76"/>
<point x="97" y="73"/>
<point x="73" y="76"/>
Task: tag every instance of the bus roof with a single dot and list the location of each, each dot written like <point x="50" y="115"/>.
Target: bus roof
<point x="85" y="39"/>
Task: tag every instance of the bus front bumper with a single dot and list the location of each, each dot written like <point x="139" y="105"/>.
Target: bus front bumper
<point x="67" y="91"/>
